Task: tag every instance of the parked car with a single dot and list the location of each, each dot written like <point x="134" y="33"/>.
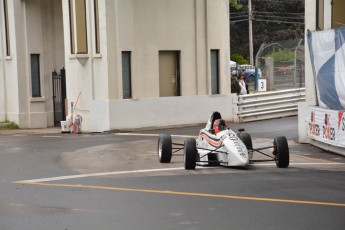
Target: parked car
<point x="249" y="72"/>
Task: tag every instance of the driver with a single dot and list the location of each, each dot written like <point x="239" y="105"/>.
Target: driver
<point x="219" y="125"/>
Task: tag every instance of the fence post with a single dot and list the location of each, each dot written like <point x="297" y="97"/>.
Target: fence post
<point x="269" y="66"/>
<point x="235" y="108"/>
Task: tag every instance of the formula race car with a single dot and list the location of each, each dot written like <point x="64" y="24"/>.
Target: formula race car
<point x="218" y="145"/>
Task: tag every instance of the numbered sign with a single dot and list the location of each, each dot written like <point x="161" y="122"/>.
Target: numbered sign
<point x="262" y="86"/>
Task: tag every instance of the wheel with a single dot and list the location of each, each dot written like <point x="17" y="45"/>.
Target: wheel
<point x="164" y="148"/>
<point x="246" y="139"/>
<point x="190" y="153"/>
<point x="281" y="150"/>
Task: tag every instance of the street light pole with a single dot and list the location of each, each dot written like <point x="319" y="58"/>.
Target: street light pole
<point x="250" y="18"/>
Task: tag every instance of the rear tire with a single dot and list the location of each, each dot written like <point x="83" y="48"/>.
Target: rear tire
<point x="164" y="149"/>
<point x="282" y="152"/>
<point x="190" y="153"/>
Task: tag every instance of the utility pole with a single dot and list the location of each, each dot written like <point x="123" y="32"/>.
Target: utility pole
<point x="250" y="18"/>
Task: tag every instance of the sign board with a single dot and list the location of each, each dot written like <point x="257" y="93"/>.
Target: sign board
<point x="326" y="126"/>
<point x="262" y="85"/>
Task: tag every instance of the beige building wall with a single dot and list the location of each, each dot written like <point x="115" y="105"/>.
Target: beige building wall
<point x="191" y="27"/>
<point x="35" y="27"/>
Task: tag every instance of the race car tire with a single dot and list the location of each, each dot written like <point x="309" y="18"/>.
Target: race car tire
<point x="164" y="149"/>
<point x="190" y="153"/>
<point x="281" y="148"/>
<point x="246" y="139"/>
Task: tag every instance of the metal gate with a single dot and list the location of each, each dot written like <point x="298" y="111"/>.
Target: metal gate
<point x="59" y="96"/>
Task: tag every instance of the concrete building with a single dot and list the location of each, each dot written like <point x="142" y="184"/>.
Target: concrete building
<point x="319" y="15"/>
<point x="128" y="63"/>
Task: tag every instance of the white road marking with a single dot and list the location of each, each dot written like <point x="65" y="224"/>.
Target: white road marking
<point x="98" y="174"/>
<point x="331" y="163"/>
<point x="146" y="171"/>
<point x="151" y="135"/>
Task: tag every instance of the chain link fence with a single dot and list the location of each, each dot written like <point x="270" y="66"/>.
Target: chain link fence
<point x="282" y="64"/>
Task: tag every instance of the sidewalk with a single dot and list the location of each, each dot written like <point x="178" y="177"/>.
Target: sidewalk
<point x="50" y="130"/>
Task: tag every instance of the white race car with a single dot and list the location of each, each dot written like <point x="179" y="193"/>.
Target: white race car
<point x="217" y="144"/>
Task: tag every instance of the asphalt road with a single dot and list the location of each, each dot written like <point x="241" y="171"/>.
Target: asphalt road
<point x="114" y="181"/>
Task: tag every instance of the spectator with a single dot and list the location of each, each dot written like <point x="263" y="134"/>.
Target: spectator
<point x="242" y="84"/>
<point x="235" y="86"/>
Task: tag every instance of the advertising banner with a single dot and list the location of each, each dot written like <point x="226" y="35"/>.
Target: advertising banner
<point x="326" y="126"/>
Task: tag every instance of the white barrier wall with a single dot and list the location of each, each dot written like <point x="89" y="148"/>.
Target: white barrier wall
<point x="305" y="126"/>
<point x="157" y="112"/>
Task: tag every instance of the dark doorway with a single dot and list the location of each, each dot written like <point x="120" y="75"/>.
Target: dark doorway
<point x="59" y="96"/>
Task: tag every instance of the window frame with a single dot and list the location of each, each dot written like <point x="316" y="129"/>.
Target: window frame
<point x="97" y="33"/>
<point x="7" y="30"/>
<point x="78" y="27"/>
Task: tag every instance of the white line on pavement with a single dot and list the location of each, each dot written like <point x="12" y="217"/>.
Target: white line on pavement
<point x="151" y="135"/>
<point x="98" y="174"/>
<point x="146" y="171"/>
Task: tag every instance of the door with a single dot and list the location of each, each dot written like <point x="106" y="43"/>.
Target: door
<point x="169" y="74"/>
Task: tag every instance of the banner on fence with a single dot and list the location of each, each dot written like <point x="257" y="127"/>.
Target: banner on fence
<point x="326" y="125"/>
<point x="327" y="54"/>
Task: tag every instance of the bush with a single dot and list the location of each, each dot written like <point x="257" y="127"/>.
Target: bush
<point x="8" y="125"/>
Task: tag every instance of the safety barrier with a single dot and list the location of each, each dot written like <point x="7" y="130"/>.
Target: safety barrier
<point x="267" y="105"/>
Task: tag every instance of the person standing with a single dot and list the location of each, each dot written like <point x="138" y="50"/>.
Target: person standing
<point x="242" y="84"/>
<point x="235" y="86"/>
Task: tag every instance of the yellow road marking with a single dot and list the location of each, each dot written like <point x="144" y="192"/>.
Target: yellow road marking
<point x="186" y="194"/>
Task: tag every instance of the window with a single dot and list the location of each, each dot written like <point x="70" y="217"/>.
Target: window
<point x="7" y="32"/>
<point x="97" y="45"/>
<point x="214" y="71"/>
<point x="338" y="17"/>
<point x="35" y="75"/>
<point x="126" y="75"/>
<point x="78" y="28"/>
<point x="320" y="14"/>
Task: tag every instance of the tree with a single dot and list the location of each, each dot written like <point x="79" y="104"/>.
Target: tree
<point x="273" y="21"/>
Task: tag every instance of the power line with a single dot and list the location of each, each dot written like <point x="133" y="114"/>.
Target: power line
<point x="276" y="12"/>
<point x="277" y="21"/>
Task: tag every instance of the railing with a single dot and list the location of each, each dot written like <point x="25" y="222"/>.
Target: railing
<point x="267" y="105"/>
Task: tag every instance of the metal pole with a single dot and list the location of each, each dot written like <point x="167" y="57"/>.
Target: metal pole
<point x="250" y="18"/>
<point x="295" y="63"/>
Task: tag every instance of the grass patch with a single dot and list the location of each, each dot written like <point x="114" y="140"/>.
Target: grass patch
<point x="6" y="125"/>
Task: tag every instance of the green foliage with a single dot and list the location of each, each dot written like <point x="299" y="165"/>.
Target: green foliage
<point x="235" y="4"/>
<point x="281" y="55"/>
<point x="6" y="125"/>
<point x="238" y="58"/>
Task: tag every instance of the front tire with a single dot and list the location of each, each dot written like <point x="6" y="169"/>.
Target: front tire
<point x="164" y="149"/>
<point x="190" y="154"/>
<point x="281" y="148"/>
<point x="247" y="140"/>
